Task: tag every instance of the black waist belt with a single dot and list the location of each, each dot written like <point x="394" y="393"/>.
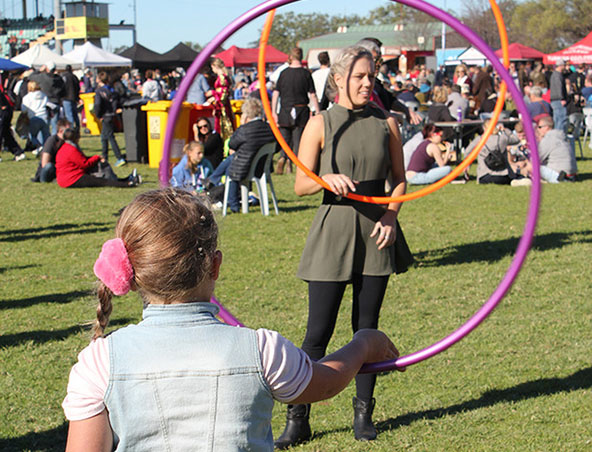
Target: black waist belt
<point x="365" y="188"/>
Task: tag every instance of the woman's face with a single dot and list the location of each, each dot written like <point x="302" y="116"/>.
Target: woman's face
<point x="195" y="155"/>
<point x="203" y="127"/>
<point x="436" y="137"/>
<point x="360" y="84"/>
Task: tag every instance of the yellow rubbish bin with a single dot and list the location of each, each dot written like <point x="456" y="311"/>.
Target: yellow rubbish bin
<point x="237" y="106"/>
<point x="157" y="115"/>
<point x="92" y="122"/>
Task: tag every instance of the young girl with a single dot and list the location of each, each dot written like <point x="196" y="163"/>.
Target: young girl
<point x="181" y="379"/>
<point x="191" y="172"/>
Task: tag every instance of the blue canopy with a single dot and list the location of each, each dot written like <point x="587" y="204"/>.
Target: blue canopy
<point x="7" y="65"/>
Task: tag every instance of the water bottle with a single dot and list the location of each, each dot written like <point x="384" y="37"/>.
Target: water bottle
<point x="459" y="114"/>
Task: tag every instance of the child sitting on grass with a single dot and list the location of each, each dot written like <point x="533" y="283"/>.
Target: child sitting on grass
<point x="181" y="379"/>
<point x="193" y="169"/>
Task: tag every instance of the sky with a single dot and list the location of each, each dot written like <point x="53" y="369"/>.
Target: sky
<point x="162" y="24"/>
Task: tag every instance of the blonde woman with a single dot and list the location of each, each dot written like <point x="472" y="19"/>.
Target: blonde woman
<point x="461" y="76"/>
<point x="352" y="146"/>
<point x="35" y="105"/>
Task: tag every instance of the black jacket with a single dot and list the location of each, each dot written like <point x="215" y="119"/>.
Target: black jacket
<point x="72" y="87"/>
<point x="246" y="141"/>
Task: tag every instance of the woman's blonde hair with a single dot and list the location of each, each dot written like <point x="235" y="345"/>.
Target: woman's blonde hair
<point x="188" y="148"/>
<point x="171" y="238"/>
<point x="219" y="64"/>
<point x="252" y="108"/>
<point x="344" y="64"/>
<point x="440" y="94"/>
<point x="461" y="66"/>
<point x="32" y="85"/>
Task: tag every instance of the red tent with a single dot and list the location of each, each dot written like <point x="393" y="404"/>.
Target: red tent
<point x="579" y="53"/>
<point x="236" y="56"/>
<point x="520" y="52"/>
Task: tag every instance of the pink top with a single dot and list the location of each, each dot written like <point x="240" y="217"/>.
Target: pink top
<point x="286" y="369"/>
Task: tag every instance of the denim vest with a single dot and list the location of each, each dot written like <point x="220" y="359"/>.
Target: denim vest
<point x="181" y="380"/>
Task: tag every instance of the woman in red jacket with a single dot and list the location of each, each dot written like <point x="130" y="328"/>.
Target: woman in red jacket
<point x="73" y="168"/>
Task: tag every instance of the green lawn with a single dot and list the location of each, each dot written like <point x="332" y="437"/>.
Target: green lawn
<point x="520" y="382"/>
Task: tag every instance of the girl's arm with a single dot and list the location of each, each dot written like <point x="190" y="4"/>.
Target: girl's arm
<point x="435" y="152"/>
<point x="90" y="435"/>
<point x="385" y="229"/>
<point x="333" y="373"/>
<point x="311" y="143"/>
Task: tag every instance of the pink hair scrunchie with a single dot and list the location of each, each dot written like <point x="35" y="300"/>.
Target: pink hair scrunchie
<point x="114" y="268"/>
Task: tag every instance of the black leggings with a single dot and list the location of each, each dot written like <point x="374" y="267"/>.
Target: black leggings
<point x="86" y="180"/>
<point x="324" y="299"/>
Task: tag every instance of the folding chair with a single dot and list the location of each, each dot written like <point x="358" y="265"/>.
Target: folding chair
<point x="264" y="153"/>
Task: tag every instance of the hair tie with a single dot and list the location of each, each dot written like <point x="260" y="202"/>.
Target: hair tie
<point x="114" y="268"/>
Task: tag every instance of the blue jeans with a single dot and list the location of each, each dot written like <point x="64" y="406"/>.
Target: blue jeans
<point x="559" y="115"/>
<point x="221" y="170"/>
<point x="38" y="128"/>
<point x="433" y="175"/>
<point x="71" y="113"/>
<point x="48" y="173"/>
<point x="234" y="196"/>
<point x="108" y="136"/>
<point x="53" y="120"/>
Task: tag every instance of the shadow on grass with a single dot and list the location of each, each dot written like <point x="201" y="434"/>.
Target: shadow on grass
<point x="50" y="440"/>
<point x="43" y="336"/>
<point x="582" y="379"/>
<point x="494" y="250"/>
<point x="61" y="298"/>
<point x="18" y="267"/>
<point x="18" y="235"/>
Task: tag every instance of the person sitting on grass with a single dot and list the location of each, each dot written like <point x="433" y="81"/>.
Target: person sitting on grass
<point x="46" y="170"/>
<point x="193" y="169"/>
<point x="492" y="161"/>
<point x="428" y="163"/>
<point x="75" y="170"/>
<point x="558" y="162"/>
<point x="181" y="379"/>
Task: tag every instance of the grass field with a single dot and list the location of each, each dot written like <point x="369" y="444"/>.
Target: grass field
<point x="520" y="382"/>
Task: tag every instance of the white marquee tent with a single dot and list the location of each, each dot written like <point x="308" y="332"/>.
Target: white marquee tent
<point x="89" y="55"/>
<point x="40" y="54"/>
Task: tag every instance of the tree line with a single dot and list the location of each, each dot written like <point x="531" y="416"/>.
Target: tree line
<point x="546" y="25"/>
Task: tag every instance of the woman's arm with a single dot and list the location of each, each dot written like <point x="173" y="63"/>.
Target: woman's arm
<point x="385" y="229"/>
<point x="90" y="435"/>
<point x="434" y="151"/>
<point x="333" y="373"/>
<point x="311" y="143"/>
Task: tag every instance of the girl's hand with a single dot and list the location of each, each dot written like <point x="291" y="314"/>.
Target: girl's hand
<point x="385" y="230"/>
<point x="340" y="184"/>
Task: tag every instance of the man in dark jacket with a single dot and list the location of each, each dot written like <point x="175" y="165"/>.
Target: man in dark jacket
<point x="244" y="143"/>
<point x="52" y="86"/>
<point x="105" y="109"/>
<point x="71" y="97"/>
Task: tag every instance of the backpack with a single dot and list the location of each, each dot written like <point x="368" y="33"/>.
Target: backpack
<point x="495" y="160"/>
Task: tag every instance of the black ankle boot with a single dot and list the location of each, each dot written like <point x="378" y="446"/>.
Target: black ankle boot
<point x="364" y="429"/>
<point x="297" y="427"/>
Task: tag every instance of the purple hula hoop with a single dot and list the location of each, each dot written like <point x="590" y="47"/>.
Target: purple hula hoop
<point x="535" y="195"/>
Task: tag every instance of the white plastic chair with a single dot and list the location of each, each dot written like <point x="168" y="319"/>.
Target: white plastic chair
<point x="264" y="153"/>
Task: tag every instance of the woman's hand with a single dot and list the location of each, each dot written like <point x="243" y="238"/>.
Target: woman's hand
<point x="340" y="184"/>
<point x="385" y="230"/>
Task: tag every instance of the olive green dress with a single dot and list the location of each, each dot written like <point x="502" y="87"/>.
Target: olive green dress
<point x="339" y="243"/>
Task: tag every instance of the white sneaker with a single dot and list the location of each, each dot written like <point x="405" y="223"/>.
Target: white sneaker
<point x="524" y="182"/>
<point x="37" y="151"/>
<point x="18" y="158"/>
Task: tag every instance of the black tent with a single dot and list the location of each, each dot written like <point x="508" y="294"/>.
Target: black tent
<point x="180" y="55"/>
<point x="142" y="57"/>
